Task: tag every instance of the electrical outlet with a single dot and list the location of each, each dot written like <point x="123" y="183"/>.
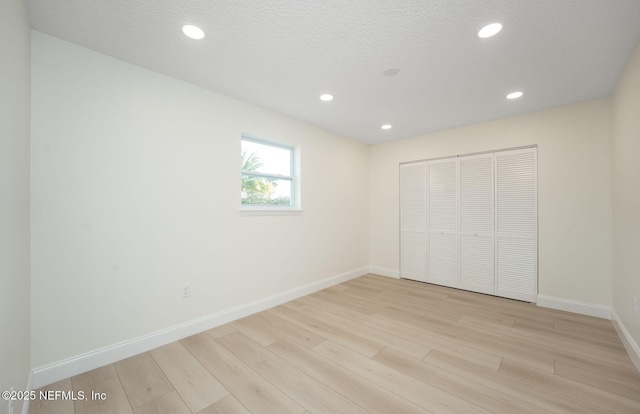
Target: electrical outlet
<point x="186" y="290"/>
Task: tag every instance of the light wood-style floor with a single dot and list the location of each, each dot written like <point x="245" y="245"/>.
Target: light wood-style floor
<point x="376" y="345"/>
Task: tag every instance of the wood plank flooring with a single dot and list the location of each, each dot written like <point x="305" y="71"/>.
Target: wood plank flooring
<point x="376" y="345"/>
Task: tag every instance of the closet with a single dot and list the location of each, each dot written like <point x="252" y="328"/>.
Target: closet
<point x="470" y="222"/>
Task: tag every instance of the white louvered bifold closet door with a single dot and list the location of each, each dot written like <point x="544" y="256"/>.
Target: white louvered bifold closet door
<point x="516" y="224"/>
<point x="477" y="260"/>
<point x="413" y="221"/>
<point x="442" y="210"/>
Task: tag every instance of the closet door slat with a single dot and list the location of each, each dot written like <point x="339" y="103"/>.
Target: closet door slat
<point x="443" y="222"/>
<point x="517" y="224"/>
<point x="413" y="221"/>
<point x="477" y="252"/>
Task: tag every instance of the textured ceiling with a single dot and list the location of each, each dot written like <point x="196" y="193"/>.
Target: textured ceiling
<point x="282" y="54"/>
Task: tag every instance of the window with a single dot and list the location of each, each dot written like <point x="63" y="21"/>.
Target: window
<point x="268" y="174"/>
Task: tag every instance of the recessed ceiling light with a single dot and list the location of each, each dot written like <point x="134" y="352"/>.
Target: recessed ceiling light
<point x="490" y="30"/>
<point x="193" y="32"/>
<point x="515" y="95"/>
<point x="386" y="126"/>
<point x="326" y="97"/>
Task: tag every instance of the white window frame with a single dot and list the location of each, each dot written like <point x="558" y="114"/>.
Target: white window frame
<point x="266" y="209"/>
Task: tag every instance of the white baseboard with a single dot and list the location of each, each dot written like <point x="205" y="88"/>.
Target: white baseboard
<point x="629" y="344"/>
<point x="569" y="305"/>
<point x="51" y="373"/>
<point x="382" y="271"/>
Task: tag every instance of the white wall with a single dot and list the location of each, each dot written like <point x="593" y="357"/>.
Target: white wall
<point x="574" y="191"/>
<point x="14" y="197"/>
<point x="135" y="191"/>
<point x="626" y="199"/>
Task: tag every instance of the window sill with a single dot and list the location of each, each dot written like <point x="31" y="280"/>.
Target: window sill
<point x="262" y="211"/>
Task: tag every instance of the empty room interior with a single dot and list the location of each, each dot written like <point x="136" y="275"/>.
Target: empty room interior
<point x="319" y="207"/>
